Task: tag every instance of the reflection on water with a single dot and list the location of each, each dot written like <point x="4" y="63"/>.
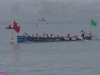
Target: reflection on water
<point x="16" y="46"/>
<point x="16" y="59"/>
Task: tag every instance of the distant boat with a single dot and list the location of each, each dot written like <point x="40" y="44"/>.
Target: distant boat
<point x="10" y="27"/>
<point x="42" y="20"/>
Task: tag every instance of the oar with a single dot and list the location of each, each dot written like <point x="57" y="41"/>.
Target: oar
<point x="93" y="36"/>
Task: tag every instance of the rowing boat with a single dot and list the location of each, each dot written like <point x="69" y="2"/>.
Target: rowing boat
<point x="22" y="39"/>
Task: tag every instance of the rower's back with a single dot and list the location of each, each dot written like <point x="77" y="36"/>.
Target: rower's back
<point x="90" y="33"/>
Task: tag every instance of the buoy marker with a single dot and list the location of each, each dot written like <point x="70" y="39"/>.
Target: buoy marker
<point x="12" y="41"/>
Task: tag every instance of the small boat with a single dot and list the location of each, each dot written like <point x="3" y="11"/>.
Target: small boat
<point x="22" y="39"/>
<point x="10" y="27"/>
<point x="42" y="19"/>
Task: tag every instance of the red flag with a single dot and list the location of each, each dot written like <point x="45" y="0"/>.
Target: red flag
<point x="15" y="27"/>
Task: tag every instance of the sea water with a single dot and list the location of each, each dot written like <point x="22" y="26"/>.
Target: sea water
<point x="49" y="58"/>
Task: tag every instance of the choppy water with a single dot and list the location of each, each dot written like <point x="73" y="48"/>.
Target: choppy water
<point x="52" y="58"/>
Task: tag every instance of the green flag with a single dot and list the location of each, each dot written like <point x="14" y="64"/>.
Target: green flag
<point x="93" y="23"/>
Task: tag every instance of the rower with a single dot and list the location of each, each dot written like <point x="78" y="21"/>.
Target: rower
<point x="58" y="36"/>
<point x="54" y="36"/>
<point x="23" y="34"/>
<point x="26" y="35"/>
<point x="51" y="36"/>
<point x="40" y="36"/>
<point x="62" y="36"/>
<point x="43" y="35"/>
<point x="47" y="36"/>
<point x="32" y="36"/>
<point x="90" y="33"/>
<point x="76" y="36"/>
<point x="36" y="35"/>
<point x="83" y="33"/>
<point x="68" y="36"/>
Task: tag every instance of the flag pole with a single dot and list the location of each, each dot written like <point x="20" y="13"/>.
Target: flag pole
<point x="12" y="34"/>
<point x="90" y="27"/>
<point x="12" y="41"/>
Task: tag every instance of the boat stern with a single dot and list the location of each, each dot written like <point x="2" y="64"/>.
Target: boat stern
<point x="88" y="37"/>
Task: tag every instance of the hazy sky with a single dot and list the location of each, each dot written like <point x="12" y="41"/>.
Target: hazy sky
<point x="6" y="5"/>
<point x="85" y="1"/>
<point x="80" y="1"/>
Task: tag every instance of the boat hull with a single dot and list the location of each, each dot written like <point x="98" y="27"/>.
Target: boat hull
<point x="11" y="27"/>
<point x="22" y="39"/>
<point x="42" y="20"/>
<point x="8" y="28"/>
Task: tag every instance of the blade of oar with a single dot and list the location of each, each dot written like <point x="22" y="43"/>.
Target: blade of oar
<point x="93" y="36"/>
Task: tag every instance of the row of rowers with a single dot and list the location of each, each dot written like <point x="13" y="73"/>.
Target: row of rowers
<point x="51" y="36"/>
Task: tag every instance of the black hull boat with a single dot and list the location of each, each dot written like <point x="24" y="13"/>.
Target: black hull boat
<point x="42" y="20"/>
<point x="11" y="27"/>
<point x="22" y="39"/>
